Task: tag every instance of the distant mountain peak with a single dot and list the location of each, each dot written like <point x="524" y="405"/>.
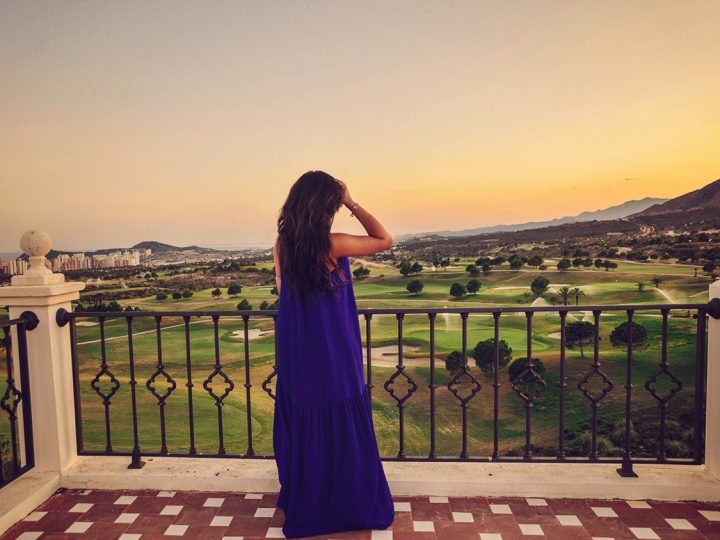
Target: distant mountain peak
<point x="618" y="211"/>
<point x="705" y="198"/>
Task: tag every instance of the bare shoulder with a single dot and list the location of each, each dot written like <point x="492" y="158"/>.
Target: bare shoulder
<point x="344" y="244"/>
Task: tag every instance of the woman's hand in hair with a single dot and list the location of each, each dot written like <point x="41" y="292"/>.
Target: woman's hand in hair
<point x="347" y="199"/>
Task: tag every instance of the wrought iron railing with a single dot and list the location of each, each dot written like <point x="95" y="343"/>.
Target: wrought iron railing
<point x="16" y="437"/>
<point x="529" y="386"/>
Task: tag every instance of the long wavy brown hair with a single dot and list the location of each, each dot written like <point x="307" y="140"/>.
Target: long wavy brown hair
<point x="304" y="246"/>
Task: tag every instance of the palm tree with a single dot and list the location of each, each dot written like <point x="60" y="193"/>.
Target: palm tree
<point x="657" y="281"/>
<point x="564" y="294"/>
<point x="577" y="293"/>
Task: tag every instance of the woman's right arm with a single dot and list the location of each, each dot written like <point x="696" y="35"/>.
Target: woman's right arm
<point x="378" y="237"/>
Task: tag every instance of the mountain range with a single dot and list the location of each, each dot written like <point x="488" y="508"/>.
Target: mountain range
<point x="705" y="198"/>
<point x="613" y="212"/>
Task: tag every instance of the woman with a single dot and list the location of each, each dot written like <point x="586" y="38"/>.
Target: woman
<point x="328" y="462"/>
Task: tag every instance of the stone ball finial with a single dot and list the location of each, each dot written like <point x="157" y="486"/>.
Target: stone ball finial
<point x="35" y="243"/>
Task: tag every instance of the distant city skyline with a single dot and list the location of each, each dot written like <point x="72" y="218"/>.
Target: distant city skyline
<point x="133" y="121"/>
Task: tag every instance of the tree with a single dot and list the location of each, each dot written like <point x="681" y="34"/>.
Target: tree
<point x="484" y="354"/>
<point x="640" y="286"/>
<point x="542" y="267"/>
<point x="473" y="286"/>
<point x="161" y="296"/>
<point x="486" y="269"/>
<point x="516" y="262"/>
<point x="269" y="305"/>
<point x="578" y="333"/>
<point x="598" y="263"/>
<point x="415" y="286"/>
<point x="457" y="290"/>
<point x="405" y="268"/>
<point x="620" y="336"/>
<point x="577" y="262"/>
<point x="216" y="292"/>
<point x="176" y="295"/>
<point x="454" y="361"/>
<point x="535" y="261"/>
<point x="244" y="305"/>
<point x="360" y="272"/>
<point x="564" y="295"/>
<point x="576" y="292"/>
<point x="416" y="268"/>
<point x="472" y="269"/>
<point x="234" y="289"/>
<point x="187" y="294"/>
<point x="607" y="264"/>
<point x="539" y="285"/>
<point x="518" y="366"/>
<point x="563" y="264"/>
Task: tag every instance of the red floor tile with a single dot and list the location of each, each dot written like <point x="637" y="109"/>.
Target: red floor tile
<point x="193" y="519"/>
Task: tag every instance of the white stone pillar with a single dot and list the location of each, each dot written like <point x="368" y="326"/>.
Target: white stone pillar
<point x="49" y="362"/>
<point x="712" y="407"/>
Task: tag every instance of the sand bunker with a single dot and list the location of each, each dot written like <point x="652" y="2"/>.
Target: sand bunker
<point x="253" y="333"/>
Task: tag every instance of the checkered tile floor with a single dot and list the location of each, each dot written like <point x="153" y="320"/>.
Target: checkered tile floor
<point x="148" y="515"/>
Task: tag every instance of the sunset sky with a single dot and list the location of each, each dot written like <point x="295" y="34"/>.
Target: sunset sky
<point x="187" y="122"/>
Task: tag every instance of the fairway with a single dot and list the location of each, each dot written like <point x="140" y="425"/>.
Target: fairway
<point x="501" y="288"/>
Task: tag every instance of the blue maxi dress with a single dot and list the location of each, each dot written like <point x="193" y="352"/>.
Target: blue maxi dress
<point x="329" y="466"/>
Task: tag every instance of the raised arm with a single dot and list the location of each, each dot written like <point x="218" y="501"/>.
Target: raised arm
<point x="378" y="237"/>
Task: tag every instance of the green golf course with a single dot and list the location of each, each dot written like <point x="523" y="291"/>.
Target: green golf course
<point x="385" y="287"/>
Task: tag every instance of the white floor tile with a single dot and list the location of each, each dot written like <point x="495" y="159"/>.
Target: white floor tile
<point x="490" y="536"/>
<point x="232" y="538"/>
<point x="125" y="499"/>
<point x="215" y="502"/>
<point x="463" y="517"/>
<point x="603" y="538"/>
<point x="81" y="508"/>
<point x="85" y="492"/>
<point x="274" y="532"/>
<point x="604" y="511"/>
<point x="29" y="536"/>
<point x="500" y="509"/>
<point x="568" y="520"/>
<point x="438" y="499"/>
<point x="221" y="521"/>
<point x="536" y="502"/>
<point x="130" y="536"/>
<point x="175" y="530"/>
<point x="711" y="515"/>
<point x="253" y="496"/>
<point x="166" y="494"/>
<point x="265" y="512"/>
<point x="531" y="529"/>
<point x="644" y="533"/>
<point x="381" y="535"/>
<point x="402" y="506"/>
<point x="35" y="516"/>
<point x="126" y="517"/>
<point x="680" y="524"/>
<point x="423" y="526"/>
<point x="171" y="510"/>
<point x="638" y="504"/>
<point x="79" y="527"/>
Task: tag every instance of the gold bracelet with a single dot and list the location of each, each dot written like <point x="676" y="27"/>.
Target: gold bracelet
<point x="352" y="210"/>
